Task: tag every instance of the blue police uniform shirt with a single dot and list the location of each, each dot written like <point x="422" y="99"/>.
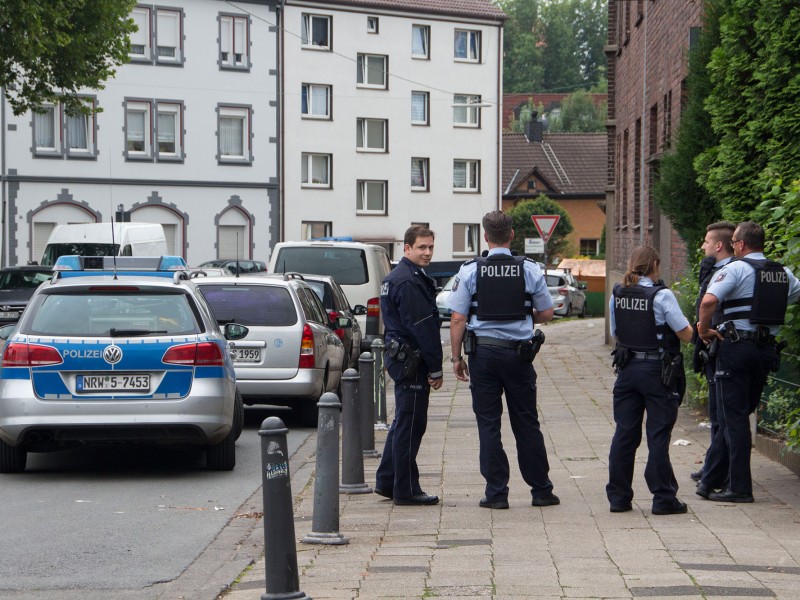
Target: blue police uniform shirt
<point x="464" y="287"/>
<point x="665" y="307"/>
<point x="737" y="280"/>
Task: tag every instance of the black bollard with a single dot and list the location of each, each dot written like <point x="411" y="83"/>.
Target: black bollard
<point x="379" y="385"/>
<point x="352" y="456"/>
<point x="280" y="565"/>
<point x="325" y="523"/>
<point x="366" y="399"/>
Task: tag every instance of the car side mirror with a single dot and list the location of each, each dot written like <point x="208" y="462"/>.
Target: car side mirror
<point x="234" y="331"/>
<point x="359" y="309"/>
<point x="342" y="323"/>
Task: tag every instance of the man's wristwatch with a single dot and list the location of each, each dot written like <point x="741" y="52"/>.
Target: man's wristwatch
<point x="456" y="359"/>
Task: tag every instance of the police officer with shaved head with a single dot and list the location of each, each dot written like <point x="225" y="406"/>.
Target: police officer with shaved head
<point x="495" y="301"/>
<point x="753" y="294"/>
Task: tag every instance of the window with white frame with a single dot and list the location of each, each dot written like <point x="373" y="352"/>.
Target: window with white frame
<point x="467" y="45"/>
<point x="57" y="133"/>
<point x="466" y="238"/>
<point x="138" y="141"/>
<point x="79" y="131"/>
<point x="234" y="42"/>
<point x="315" y="170"/>
<point x="141" y="38"/>
<point x="371" y="70"/>
<point x="372" y="24"/>
<point x="315" y="101"/>
<point x="420" y="41"/>
<point x="371" y="197"/>
<point x="419" y="108"/>
<point x="371" y="135"/>
<point x="466" y="110"/>
<point x="419" y="174"/>
<point x="466" y="175"/>
<point x="47" y="130"/>
<point x="310" y="230"/>
<point x="169" y="36"/>
<point x="169" y="130"/>
<point x="315" y="31"/>
<point x="234" y="134"/>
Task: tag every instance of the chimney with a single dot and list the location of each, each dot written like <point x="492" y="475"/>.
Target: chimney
<point x="533" y="131"/>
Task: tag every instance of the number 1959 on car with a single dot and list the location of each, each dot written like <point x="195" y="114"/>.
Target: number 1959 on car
<point x="119" y="383"/>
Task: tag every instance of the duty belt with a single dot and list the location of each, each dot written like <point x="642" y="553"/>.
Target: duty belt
<point x="740" y="334"/>
<point x="646" y="355"/>
<point x="482" y="340"/>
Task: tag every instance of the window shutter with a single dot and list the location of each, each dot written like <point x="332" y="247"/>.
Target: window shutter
<point x="41" y="233"/>
<point x="239" y="36"/>
<point x="225" y="34"/>
<point x="167" y="24"/>
<point x="141" y="37"/>
<point x="231" y="241"/>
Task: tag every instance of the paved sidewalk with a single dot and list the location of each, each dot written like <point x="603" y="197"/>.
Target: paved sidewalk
<point x="576" y="550"/>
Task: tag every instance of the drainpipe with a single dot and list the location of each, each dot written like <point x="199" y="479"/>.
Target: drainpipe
<point x="3" y="184"/>
<point x="279" y="18"/>
<point x="642" y="151"/>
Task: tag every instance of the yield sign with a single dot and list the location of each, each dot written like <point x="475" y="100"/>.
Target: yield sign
<point x="545" y="225"/>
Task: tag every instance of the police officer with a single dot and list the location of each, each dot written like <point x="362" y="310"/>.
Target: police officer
<point x="719" y="252"/>
<point x="414" y="361"/>
<point x="496" y="300"/>
<point x="753" y="294"/>
<point x="648" y="324"/>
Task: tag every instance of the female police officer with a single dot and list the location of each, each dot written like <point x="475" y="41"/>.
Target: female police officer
<point x="648" y="324"/>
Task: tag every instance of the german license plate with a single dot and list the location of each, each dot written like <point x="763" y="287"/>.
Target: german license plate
<point x="247" y="355"/>
<point x="9" y="315"/>
<point x="113" y="383"/>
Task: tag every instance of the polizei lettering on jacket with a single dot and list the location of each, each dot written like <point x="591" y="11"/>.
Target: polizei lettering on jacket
<point x="631" y="303"/>
<point x="773" y="277"/>
<point x="500" y="270"/>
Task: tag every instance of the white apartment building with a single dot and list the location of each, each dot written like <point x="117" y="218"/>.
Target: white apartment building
<point x="391" y="116"/>
<point x="187" y="137"/>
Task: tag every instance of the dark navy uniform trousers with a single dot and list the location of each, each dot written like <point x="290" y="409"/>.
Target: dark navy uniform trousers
<point x="742" y="370"/>
<point x="398" y="470"/>
<point x="638" y="389"/>
<point x="494" y="371"/>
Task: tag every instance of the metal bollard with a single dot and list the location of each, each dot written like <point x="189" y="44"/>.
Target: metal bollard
<point x="366" y="399"/>
<point x="379" y="385"/>
<point x="281" y="574"/>
<point x="325" y="523"/>
<point x="352" y="456"/>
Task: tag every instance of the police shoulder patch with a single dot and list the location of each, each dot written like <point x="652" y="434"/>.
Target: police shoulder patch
<point x="455" y="283"/>
<point x="385" y="288"/>
<point x="720" y="277"/>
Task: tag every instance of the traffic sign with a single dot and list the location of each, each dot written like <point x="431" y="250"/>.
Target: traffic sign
<point x="545" y="225"/>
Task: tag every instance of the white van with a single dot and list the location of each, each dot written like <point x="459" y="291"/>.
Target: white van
<point x="95" y="239"/>
<point x="359" y="268"/>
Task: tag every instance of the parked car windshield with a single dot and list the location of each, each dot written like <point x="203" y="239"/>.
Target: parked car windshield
<point x="262" y="305"/>
<point x="54" y="251"/>
<point x="347" y="265"/>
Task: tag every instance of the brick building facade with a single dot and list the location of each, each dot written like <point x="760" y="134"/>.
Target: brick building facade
<point x="648" y="43"/>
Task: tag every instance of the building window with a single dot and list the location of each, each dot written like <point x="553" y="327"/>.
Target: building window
<point x="140" y="39"/>
<point x="420" y="41"/>
<point x="310" y="230"/>
<point x="371" y="197"/>
<point x="234" y="132"/>
<point x="169" y="130"/>
<point x="142" y="128"/>
<point x="465" y="238"/>
<point x="465" y="111"/>
<point x="372" y="24"/>
<point x="47" y="130"/>
<point x="419" y="108"/>
<point x="589" y="247"/>
<point x="315" y="32"/>
<point x="234" y="42"/>
<point x="138" y="140"/>
<point x="159" y="38"/>
<point x="57" y="134"/>
<point x="316" y="170"/>
<point x="419" y="174"/>
<point x="315" y="102"/>
<point x="466" y="175"/>
<point x="371" y="135"/>
<point x="371" y="70"/>
<point x="169" y="36"/>
<point x="79" y="135"/>
<point x="467" y="45"/>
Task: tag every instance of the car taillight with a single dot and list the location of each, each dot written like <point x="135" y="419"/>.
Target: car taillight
<point x="206" y="354"/>
<point x="563" y="291"/>
<point x="374" y="307"/>
<point x="307" y="359"/>
<point x="30" y="355"/>
<point x="333" y="315"/>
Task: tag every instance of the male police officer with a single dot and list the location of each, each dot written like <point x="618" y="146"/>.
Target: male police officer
<point x="414" y="362"/>
<point x="502" y="296"/>
<point x="719" y="252"/>
<point x="753" y="293"/>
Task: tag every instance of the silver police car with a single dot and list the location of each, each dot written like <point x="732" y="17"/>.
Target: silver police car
<point x="125" y="353"/>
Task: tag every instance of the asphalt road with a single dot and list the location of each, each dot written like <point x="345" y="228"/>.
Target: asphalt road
<point x="123" y="522"/>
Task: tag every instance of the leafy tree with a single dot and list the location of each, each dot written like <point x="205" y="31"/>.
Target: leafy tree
<point x="678" y="193"/>
<point x="50" y="49"/>
<point x="579" y="114"/>
<point x="522" y="68"/>
<point x="558" y="244"/>
<point x="561" y="55"/>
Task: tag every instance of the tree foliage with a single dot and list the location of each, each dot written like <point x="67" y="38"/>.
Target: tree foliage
<point x="678" y="193"/>
<point x="579" y="114"/>
<point x="558" y="244"/>
<point x="50" y="49"/>
<point x="753" y="103"/>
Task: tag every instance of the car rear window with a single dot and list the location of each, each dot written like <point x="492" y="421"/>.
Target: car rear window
<point x="102" y="314"/>
<point x="348" y="266"/>
<point x="264" y="305"/>
<point x="553" y="280"/>
<point x="323" y="293"/>
<point x="14" y="280"/>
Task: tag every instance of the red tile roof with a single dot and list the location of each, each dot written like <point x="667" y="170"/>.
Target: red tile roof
<point x="483" y="9"/>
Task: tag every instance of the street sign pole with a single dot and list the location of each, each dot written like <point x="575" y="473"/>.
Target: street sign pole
<point x="545" y="225"/>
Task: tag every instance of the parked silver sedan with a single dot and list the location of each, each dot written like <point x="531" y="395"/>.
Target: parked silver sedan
<point x="567" y="293"/>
